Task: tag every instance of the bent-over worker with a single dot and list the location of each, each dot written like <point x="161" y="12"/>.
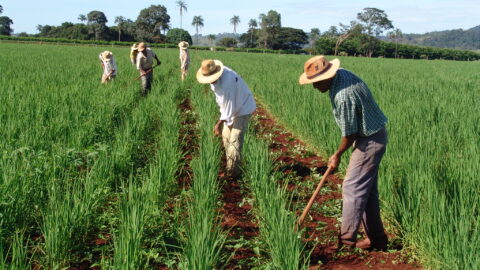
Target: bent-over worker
<point x="184" y="58"/>
<point x="145" y="66"/>
<point x="362" y="125"/>
<point x="236" y="105"/>
<point x="108" y="65"/>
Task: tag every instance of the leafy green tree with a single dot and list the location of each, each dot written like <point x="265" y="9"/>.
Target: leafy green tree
<point x="235" y="20"/>
<point x="227" y="42"/>
<point x="183" y="7"/>
<point x="347" y="31"/>
<point x="270" y="25"/>
<point x="325" y="45"/>
<point x="5" y="26"/>
<point x="198" y="23"/>
<point x="1" y="9"/>
<point x="176" y="35"/>
<point x="150" y="20"/>
<point x="374" y="22"/>
<point x="82" y="18"/>
<point x="290" y="39"/>
<point x="97" y="23"/>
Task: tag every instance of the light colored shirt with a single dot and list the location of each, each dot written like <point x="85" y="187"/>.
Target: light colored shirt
<point x="233" y="96"/>
<point x="184" y="59"/>
<point x="108" y="65"/>
<point x="145" y="62"/>
<point x="354" y="107"/>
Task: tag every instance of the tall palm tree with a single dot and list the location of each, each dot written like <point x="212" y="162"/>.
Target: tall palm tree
<point x="120" y="20"/>
<point x="235" y="20"/>
<point x="395" y="35"/>
<point x="198" y="23"/>
<point x="183" y="7"/>
<point x="252" y="24"/>
<point x="82" y="18"/>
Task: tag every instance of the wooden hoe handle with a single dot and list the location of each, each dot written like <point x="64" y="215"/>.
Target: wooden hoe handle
<point x="312" y="199"/>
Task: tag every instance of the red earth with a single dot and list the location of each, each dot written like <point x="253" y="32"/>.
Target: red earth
<point x="293" y="158"/>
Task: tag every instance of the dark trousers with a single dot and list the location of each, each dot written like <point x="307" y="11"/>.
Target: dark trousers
<point x="147" y="83"/>
<point x="360" y="189"/>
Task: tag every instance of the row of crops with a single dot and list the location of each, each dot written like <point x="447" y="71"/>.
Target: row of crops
<point x="89" y="171"/>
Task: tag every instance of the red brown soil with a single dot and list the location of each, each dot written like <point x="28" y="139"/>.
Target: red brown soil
<point x="301" y="163"/>
<point x="189" y="142"/>
<point x="237" y="220"/>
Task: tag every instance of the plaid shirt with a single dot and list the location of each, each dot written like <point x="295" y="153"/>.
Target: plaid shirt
<point x="354" y="107"/>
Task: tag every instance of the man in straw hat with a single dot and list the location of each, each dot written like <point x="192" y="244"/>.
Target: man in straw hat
<point x="236" y="106"/>
<point x="108" y="65"/>
<point x="362" y="125"/>
<point x="145" y="66"/>
<point x="184" y="58"/>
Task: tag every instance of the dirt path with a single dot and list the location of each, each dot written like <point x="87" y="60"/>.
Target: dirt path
<point x="302" y="169"/>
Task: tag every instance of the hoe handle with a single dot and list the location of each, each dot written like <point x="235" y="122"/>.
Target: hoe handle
<point x="312" y="199"/>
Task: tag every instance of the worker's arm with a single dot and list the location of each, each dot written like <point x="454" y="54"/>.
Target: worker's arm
<point x="345" y="143"/>
<point x="218" y="127"/>
<point x="158" y="60"/>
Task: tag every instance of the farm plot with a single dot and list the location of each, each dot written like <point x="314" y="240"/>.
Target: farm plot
<point x="94" y="176"/>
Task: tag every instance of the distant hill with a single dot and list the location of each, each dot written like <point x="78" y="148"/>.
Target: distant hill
<point x="454" y="39"/>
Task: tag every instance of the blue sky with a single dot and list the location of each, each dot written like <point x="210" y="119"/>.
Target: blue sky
<point x="411" y="16"/>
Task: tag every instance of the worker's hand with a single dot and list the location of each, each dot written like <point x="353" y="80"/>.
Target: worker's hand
<point x="334" y="161"/>
<point x="217" y="130"/>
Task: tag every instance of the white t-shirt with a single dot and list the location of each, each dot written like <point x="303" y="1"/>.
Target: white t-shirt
<point x="233" y="96"/>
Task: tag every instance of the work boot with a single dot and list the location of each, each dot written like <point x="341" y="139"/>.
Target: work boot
<point x="367" y="244"/>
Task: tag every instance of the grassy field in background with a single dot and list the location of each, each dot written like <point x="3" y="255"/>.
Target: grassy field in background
<point x="73" y="152"/>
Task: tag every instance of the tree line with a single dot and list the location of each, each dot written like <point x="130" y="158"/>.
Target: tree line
<point x="361" y="37"/>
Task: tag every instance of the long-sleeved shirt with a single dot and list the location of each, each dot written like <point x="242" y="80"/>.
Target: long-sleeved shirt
<point x="184" y="59"/>
<point x="354" y="107"/>
<point x="145" y="62"/>
<point x="233" y="96"/>
<point x="109" y="65"/>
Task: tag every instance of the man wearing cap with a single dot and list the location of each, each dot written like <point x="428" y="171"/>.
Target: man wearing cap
<point x="108" y="65"/>
<point x="362" y="125"/>
<point x="236" y="106"/>
<point x="145" y="66"/>
<point x="184" y="58"/>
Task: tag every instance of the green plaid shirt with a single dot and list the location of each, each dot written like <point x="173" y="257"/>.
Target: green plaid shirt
<point x="354" y="107"/>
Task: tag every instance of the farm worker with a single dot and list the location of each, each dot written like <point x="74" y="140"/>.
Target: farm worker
<point x="236" y="106"/>
<point x="108" y="65"/>
<point x="184" y="58"/>
<point x="133" y="54"/>
<point x="145" y="66"/>
<point x="362" y="125"/>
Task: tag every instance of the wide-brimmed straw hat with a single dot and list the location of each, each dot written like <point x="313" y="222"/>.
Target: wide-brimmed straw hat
<point x="210" y="71"/>
<point x="318" y="68"/>
<point x="141" y="46"/>
<point x="106" y="55"/>
<point x="183" y="45"/>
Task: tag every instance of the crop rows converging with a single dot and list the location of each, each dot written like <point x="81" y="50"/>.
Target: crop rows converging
<point x="97" y="177"/>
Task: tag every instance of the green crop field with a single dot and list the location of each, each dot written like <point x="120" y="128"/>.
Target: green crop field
<point x="89" y="172"/>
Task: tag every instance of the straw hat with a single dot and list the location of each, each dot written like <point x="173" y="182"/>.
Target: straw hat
<point x="106" y="55"/>
<point x="183" y="45"/>
<point x="141" y="46"/>
<point x="210" y="71"/>
<point x="318" y="68"/>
